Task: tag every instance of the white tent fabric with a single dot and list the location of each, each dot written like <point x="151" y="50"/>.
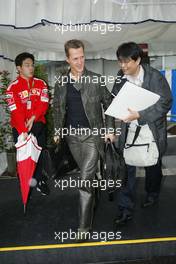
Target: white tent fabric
<point x="37" y="26"/>
<point x="8" y="51"/>
<point x="22" y="13"/>
<point x="47" y="42"/>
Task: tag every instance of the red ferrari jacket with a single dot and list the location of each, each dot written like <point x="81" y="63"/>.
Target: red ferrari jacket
<point x="27" y="98"/>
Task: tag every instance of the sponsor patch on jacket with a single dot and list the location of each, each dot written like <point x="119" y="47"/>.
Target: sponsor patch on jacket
<point x="44" y="95"/>
<point x="45" y="91"/>
<point x="12" y="107"/>
<point x="9" y="95"/>
<point x="9" y="98"/>
<point x="35" y="91"/>
<point x="44" y="98"/>
<point x="24" y="94"/>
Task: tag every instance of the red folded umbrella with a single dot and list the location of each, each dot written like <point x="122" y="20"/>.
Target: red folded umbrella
<point x="28" y="153"/>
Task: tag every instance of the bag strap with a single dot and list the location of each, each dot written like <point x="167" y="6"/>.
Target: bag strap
<point x="138" y="128"/>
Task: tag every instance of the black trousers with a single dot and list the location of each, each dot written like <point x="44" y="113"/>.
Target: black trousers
<point x="153" y="177"/>
<point x="86" y="155"/>
<point x="39" y="131"/>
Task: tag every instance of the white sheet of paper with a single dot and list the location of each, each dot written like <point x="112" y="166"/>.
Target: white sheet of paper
<point x="133" y="97"/>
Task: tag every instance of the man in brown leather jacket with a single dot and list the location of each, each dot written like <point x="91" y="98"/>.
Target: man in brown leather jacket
<point x="78" y="101"/>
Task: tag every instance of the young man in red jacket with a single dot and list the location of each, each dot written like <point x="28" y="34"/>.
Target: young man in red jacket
<point x="28" y="100"/>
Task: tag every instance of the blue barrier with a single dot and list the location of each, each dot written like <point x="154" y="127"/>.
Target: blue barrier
<point x="170" y="76"/>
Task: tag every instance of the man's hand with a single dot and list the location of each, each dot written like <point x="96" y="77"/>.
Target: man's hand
<point x="110" y="136"/>
<point x="133" y="115"/>
<point x="56" y="139"/>
<point x="30" y="122"/>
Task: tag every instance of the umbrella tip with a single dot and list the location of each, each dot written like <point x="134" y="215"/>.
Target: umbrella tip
<point x="24" y="209"/>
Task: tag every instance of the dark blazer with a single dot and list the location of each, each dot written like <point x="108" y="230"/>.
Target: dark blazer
<point x="94" y="95"/>
<point x="155" y="115"/>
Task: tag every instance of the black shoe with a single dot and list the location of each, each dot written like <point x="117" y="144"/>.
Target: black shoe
<point x="82" y="236"/>
<point x="123" y="219"/>
<point x="42" y="187"/>
<point x="149" y="202"/>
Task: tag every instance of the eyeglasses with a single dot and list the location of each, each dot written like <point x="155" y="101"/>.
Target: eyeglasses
<point x="29" y="65"/>
<point x="125" y="61"/>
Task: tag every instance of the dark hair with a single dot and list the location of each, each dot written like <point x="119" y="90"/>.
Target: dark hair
<point x="129" y="50"/>
<point x="73" y="44"/>
<point x="23" y="56"/>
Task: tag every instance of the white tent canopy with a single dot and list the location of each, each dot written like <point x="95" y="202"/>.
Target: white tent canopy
<point x="23" y="13"/>
<point x="37" y="26"/>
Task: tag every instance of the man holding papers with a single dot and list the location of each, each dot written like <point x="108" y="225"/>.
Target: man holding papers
<point x="129" y="56"/>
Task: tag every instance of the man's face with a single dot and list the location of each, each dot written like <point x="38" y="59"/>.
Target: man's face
<point x="27" y="68"/>
<point x="76" y="60"/>
<point x="129" y="66"/>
